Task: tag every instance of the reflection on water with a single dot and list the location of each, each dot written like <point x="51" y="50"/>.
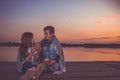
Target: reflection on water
<point x="8" y="53"/>
<point x="71" y="54"/>
<point x="92" y="54"/>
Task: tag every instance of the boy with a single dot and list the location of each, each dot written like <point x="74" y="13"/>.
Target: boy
<point x="52" y="52"/>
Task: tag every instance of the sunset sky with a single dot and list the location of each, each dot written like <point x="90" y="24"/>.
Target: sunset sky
<point x="75" y="21"/>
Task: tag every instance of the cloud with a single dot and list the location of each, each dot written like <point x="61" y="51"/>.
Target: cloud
<point x="113" y="17"/>
<point x="99" y="22"/>
<point x="118" y="37"/>
<point x="97" y="38"/>
<point x="101" y="38"/>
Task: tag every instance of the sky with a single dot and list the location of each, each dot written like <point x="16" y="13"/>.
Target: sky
<point x="75" y="21"/>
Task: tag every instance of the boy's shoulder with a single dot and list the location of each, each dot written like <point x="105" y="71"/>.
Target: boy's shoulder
<point x="55" y="39"/>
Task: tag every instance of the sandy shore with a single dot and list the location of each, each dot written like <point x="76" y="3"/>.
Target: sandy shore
<point x="100" y="70"/>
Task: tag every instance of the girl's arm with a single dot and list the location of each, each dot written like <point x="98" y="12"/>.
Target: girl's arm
<point x="36" y="48"/>
<point x="28" y="58"/>
<point x="36" y="56"/>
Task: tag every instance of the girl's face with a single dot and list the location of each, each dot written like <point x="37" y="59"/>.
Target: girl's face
<point x="48" y="35"/>
<point x="27" y="41"/>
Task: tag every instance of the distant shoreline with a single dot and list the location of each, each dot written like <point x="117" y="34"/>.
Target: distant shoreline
<point x="93" y="45"/>
<point x="68" y="61"/>
<point x="84" y="45"/>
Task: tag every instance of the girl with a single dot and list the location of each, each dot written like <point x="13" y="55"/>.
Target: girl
<point x="27" y="59"/>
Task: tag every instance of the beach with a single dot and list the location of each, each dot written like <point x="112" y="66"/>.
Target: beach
<point x="82" y="70"/>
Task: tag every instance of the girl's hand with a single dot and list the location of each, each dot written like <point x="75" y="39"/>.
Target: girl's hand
<point x="38" y="47"/>
<point x="36" y="57"/>
<point x="33" y="50"/>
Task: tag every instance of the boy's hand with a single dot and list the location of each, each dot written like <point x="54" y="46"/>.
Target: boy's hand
<point x="49" y="62"/>
<point x="52" y="61"/>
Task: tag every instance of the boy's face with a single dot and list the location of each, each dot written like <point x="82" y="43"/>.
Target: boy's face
<point x="48" y="35"/>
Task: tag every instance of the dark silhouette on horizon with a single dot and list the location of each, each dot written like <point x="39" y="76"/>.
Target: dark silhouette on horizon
<point x="84" y="45"/>
<point x="10" y="44"/>
<point x="93" y="45"/>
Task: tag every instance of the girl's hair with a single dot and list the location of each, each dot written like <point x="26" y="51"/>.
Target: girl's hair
<point x="26" y="39"/>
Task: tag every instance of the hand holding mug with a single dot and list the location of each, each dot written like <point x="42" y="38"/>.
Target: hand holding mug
<point x="47" y="61"/>
<point x="38" y="47"/>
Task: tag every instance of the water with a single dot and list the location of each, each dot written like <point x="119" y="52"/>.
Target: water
<point x="71" y="54"/>
<point x="92" y="54"/>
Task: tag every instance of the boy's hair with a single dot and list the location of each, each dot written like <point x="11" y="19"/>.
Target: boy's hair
<point x="50" y="28"/>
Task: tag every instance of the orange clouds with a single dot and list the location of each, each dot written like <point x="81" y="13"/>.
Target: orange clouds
<point x="99" y="22"/>
<point x="114" y="17"/>
<point x="106" y="19"/>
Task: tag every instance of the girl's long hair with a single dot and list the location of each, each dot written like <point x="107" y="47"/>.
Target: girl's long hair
<point x="27" y="40"/>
